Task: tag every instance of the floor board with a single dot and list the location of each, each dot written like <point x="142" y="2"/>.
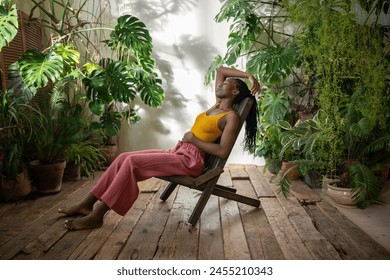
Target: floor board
<point x="301" y="226"/>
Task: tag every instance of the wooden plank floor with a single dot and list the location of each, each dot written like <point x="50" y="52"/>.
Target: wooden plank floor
<point x="302" y="226"/>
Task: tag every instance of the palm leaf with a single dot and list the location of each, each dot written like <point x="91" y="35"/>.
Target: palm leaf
<point x="8" y="25"/>
<point x="365" y="185"/>
<point x="38" y="69"/>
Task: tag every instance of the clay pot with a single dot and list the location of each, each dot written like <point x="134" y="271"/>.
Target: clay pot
<point x="47" y="177"/>
<point x="72" y="172"/>
<point x="15" y="190"/>
<point x="292" y="173"/>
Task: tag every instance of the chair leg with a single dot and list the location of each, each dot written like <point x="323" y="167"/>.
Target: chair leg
<point x="168" y="190"/>
<point x="206" y="193"/>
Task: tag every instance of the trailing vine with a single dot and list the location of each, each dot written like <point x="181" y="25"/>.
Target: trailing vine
<point x="346" y="57"/>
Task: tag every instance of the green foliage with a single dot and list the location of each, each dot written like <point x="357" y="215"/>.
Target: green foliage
<point x="13" y="136"/>
<point x="131" y="35"/>
<point x="85" y="155"/>
<point x="364" y="184"/>
<point x="8" y="23"/>
<point x="39" y="69"/>
<point x="274" y="63"/>
<point x="273" y="108"/>
<point x="375" y="6"/>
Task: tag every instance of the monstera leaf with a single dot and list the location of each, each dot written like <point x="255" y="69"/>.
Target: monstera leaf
<point x="274" y="63"/>
<point x="109" y="83"/>
<point x="111" y="122"/>
<point x="38" y="69"/>
<point x="70" y="56"/>
<point x="121" y="85"/>
<point x="275" y="106"/>
<point x="132" y="34"/>
<point x="8" y="24"/>
<point x="152" y="93"/>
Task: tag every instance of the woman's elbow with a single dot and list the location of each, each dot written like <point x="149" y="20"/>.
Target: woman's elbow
<point x="224" y="154"/>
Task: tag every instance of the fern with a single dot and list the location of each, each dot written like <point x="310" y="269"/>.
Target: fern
<point x="365" y="185"/>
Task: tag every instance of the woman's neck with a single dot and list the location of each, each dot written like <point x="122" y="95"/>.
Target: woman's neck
<point x="225" y="105"/>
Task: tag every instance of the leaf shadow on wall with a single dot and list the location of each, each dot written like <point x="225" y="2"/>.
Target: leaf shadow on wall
<point x="193" y="54"/>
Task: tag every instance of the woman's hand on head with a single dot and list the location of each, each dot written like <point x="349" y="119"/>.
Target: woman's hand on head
<point x="255" y="84"/>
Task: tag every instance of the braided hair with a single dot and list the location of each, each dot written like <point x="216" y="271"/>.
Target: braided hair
<point x="251" y="120"/>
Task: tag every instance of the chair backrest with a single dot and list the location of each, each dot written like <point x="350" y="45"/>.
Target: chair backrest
<point x="242" y="110"/>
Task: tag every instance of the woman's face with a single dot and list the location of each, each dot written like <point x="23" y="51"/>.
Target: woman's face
<point x="227" y="88"/>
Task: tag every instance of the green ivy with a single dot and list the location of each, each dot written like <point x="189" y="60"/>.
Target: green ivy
<point x="345" y="56"/>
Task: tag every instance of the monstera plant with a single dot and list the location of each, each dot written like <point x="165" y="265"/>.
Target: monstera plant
<point x="47" y="78"/>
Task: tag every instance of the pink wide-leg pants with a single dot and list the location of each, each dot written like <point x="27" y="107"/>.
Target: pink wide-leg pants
<point x="118" y="188"/>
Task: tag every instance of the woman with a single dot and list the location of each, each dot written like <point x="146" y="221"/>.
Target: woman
<point x="117" y="188"/>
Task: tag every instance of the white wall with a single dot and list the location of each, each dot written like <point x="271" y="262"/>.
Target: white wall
<point x="186" y="39"/>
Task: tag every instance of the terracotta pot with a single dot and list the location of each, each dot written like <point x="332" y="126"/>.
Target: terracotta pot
<point x="11" y="190"/>
<point x="72" y="172"/>
<point x="292" y="174"/>
<point x="342" y="196"/>
<point x="47" y="177"/>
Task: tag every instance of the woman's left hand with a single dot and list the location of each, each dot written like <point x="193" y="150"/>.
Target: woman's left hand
<point x="188" y="136"/>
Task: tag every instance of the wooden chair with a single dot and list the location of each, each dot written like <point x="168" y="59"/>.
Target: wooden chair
<point x="207" y="181"/>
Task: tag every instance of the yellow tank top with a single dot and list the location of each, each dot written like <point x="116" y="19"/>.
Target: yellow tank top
<point x="206" y="127"/>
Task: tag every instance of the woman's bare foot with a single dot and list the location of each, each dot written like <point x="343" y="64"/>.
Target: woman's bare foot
<point x="76" y="210"/>
<point x="93" y="220"/>
<point x="86" y="222"/>
<point x="84" y="207"/>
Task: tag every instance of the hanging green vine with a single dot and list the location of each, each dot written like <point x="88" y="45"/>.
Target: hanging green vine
<point x="345" y="57"/>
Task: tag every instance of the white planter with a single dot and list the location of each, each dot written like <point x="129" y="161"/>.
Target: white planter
<point x="342" y="196"/>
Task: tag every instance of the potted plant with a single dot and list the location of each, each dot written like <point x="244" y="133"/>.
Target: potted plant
<point x="14" y="179"/>
<point x="46" y="76"/>
<point x="82" y="160"/>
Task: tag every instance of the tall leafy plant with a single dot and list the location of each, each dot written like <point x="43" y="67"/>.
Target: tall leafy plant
<point x="127" y="72"/>
<point x="258" y="38"/>
<point x="344" y="56"/>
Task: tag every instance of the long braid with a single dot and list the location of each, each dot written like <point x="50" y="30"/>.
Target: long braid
<point x="251" y="119"/>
